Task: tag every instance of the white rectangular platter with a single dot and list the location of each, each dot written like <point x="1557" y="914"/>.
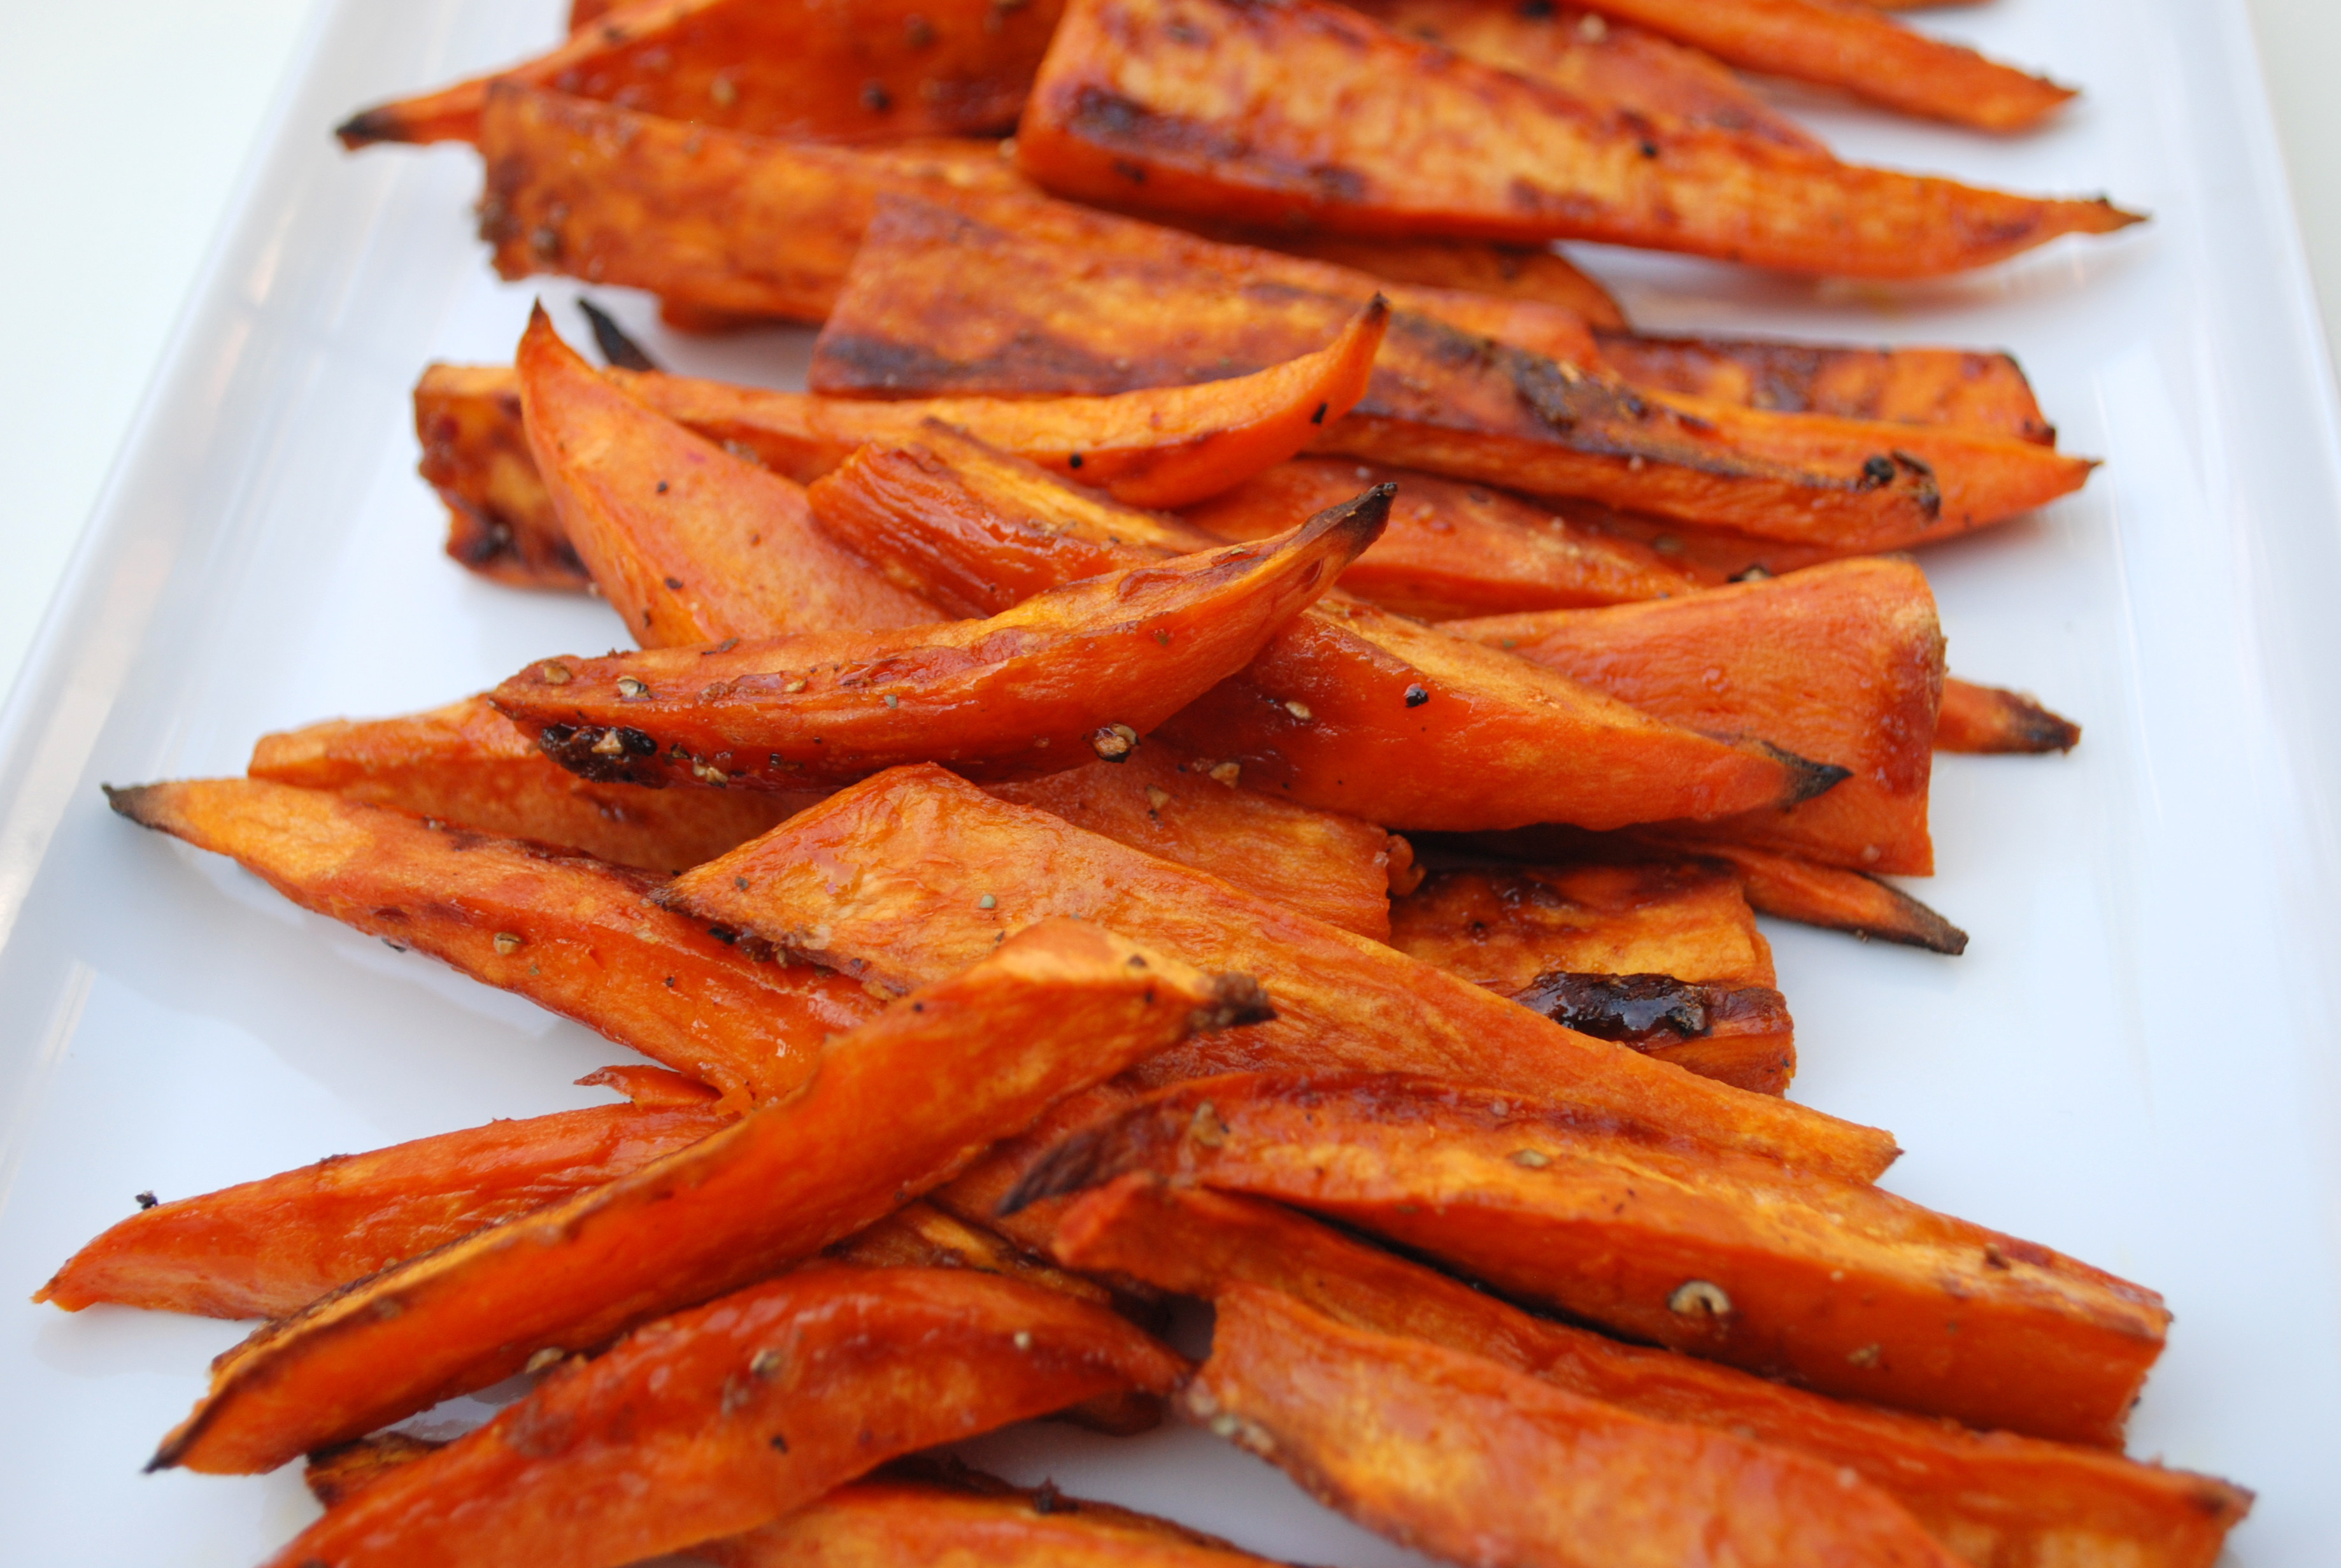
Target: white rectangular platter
<point x="2135" y="1061"/>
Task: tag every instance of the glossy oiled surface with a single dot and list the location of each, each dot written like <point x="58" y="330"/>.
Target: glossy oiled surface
<point x="170" y="1023"/>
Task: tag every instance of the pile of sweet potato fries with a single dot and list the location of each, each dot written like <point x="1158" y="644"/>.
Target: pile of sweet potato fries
<point x="996" y="838"/>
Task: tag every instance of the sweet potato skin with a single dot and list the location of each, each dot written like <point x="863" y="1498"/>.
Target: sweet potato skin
<point x="1475" y="1462"/>
<point x="1844" y="1289"/>
<point x="722" y="1419"/>
<point x="1996" y="1500"/>
<point x="1090" y="666"/>
<point x="1993" y="720"/>
<point x="268" y="1248"/>
<point x="930" y="844"/>
<point x="1307" y="115"/>
<point x="1794" y="888"/>
<point x="571" y="935"/>
<point x="969" y="1060"/>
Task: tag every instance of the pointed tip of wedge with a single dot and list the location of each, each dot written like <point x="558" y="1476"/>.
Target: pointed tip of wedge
<point x="368" y="127"/>
<point x="133" y="801"/>
<point x="1236" y="1000"/>
<point x="1359" y="520"/>
<point x="1807" y="778"/>
<point x="618" y="349"/>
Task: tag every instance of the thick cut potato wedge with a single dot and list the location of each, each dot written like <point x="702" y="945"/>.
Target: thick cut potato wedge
<point x="1995" y="1500"/>
<point x="1305" y="113"/>
<point x="1079" y="670"/>
<point x="1991" y="719"/>
<point x="1865" y="55"/>
<point x="1502" y="929"/>
<point x="872" y="70"/>
<point x="966" y="1061"/>
<point x="946" y="870"/>
<point x="1472" y="1461"/>
<point x="720" y="1420"/>
<point x="499" y="520"/>
<point x="1841" y="663"/>
<point x="1839" y="1286"/>
<point x="689" y="543"/>
<point x="270" y="1247"/>
<point x="1537" y="273"/>
<point x="568" y="934"/>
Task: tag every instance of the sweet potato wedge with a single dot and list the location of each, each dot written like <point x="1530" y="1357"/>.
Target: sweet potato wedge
<point x="1794" y="888"/>
<point x="1506" y="272"/>
<point x="1841" y="663"/>
<point x="1451" y="550"/>
<point x="1308" y="113"/>
<point x="270" y="1247"/>
<point x="1472" y="1461"/>
<point x="722" y="1419"/>
<point x="1583" y="54"/>
<point x="1081" y="670"/>
<point x="973" y="1059"/>
<point x="1991" y="719"/>
<point x="1998" y="1501"/>
<point x="1032" y="299"/>
<point x="1839" y="1286"/>
<point x="933" y="850"/>
<point x="689" y="543"/>
<point x="499" y="520"/>
<point x="568" y="934"/>
<point x="873" y="71"/>
<point x="1857" y="52"/>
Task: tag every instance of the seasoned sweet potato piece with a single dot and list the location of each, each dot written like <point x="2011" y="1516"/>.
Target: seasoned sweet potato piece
<point x="1507" y="272"/>
<point x="500" y="520"/>
<point x="1794" y="888"/>
<point x="1841" y="663"/>
<point x="1992" y="719"/>
<point x="872" y="71"/>
<point x="1842" y="1287"/>
<point x="722" y="1419"/>
<point x="1862" y="53"/>
<point x="1308" y="113"/>
<point x="934" y="849"/>
<point x="689" y="543"/>
<point x="568" y="934"/>
<point x="1581" y="52"/>
<point x="973" y="1059"/>
<point x="1475" y="1462"/>
<point x="1998" y="1501"/>
<point x="1083" y="669"/>
<point x="270" y="1247"/>
<point x="1451" y="550"/>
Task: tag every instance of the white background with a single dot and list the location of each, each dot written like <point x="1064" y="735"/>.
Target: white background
<point x="125" y="125"/>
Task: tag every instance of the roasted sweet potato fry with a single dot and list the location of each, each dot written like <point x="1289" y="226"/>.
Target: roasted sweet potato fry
<point x="1081" y="670"/>
<point x="1308" y="113"/>
<point x="872" y="70"/>
<point x="1507" y="272"/>
<point x="467" y="764"/>
<point x="722" y="1419"/>
<point x="1472" y="1461"/>
<point x="1451" y="550"/>
<point x="1998" y="1501"/>
<point x="934" y="849"/>
<point x="1841" y="663"/>
<point x="1580" y="52"/>
<point x="1794" y="888"/>
<point x="270" y="1247"/>
<point x="568" y="934"/>
<point x="335" y="1475"/>
<point x="963" y="1062"/>
<point x="500" y="520"/>
<point x="1859" y="52"/>
<point x="1992" y="719"/>
<point x="689" y="543"/>
<point x="1841" y="1287"/>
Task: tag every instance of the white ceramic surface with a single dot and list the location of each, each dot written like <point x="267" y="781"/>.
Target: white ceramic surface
<point x="2133" y="1062"/>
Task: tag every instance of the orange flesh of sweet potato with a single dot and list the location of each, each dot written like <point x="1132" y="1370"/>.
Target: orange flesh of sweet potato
<point x="1991" y="719"/>
<point x="973" y="1059"/>
<point x="270" y="1247"/>
<point x="1506" y="272"/>
<point x="1081" y="670"/>
<point x="1841" y="663"/>
<point x="568" y="934"/>
<point x="689" y="543"/>
<point x="877" y="70"/>
<point x="1451" y="550"/>
<point x="1472" y="1461"/>
<point x="1862" y="53"/>
<point x="499" y="520"/>
<point x="1794" y="888"/>
<point x="1841" y="1287"/>
<point x="722" y="1419"/>
<point x="1348" y="709"/>
<point x="1308" y="113"/>
<point x="1998" y="1501"/>
<point x="932" y="849"/>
